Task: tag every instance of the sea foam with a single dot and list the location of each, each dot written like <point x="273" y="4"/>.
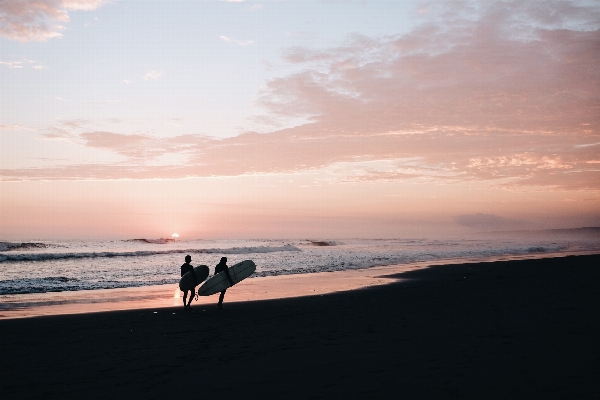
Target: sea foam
<point x="83" y="265"/>
<point x="142" y="253"/>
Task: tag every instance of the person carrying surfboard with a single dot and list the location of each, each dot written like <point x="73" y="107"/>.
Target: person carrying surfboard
<point x="185" y="268"/>
<point x="222" y="266"/>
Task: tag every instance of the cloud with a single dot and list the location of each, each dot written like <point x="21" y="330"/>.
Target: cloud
<point x="174" y="122"/>
<point x="257" y="6"/>
<point x="123" y="144"/>
<point x="76" y="123"/>
<point x="506" y="94"/>
<point x="141" y="147"/>
<point x="437" y="155"/>
<point x="13" y="64"/>
<point x="152" y="75"/>
<point x="587" y="145"/>
<point x="65" y="129"/>
<point x="57" y="134"/>
<point x="21" y="63"/>
<point x="382" y="176"/>
<point x="239" y="42"/>
<point x="39" y="20"/>
<point x="15" y="127"/>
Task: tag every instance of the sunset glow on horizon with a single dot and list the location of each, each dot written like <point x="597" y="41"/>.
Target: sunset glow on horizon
<point x="123" y="119"/>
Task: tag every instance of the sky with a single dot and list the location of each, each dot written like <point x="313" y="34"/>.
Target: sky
<point x="297" y="119"/>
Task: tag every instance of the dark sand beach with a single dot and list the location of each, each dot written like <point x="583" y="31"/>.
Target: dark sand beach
<point x="511" y="329"/>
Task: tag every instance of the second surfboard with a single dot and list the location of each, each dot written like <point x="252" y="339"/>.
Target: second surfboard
<point x="219" y="282"/>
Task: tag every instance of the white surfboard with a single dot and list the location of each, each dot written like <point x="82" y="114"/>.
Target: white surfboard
<point x="219" y="282"/>
<point x="189" y="281"/>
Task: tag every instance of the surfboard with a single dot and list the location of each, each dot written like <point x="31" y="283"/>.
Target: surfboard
<point x="219" y="282"/>
<point x="189" y="281"/>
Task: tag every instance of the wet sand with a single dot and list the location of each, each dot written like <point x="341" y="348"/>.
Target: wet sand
<point x="513" y="329"/>
<point x="256" y="288"/>
<point x="161" y="296"/>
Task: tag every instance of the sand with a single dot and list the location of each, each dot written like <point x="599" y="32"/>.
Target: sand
<point x="513" y="329"/>
<point x="161" y="296"/>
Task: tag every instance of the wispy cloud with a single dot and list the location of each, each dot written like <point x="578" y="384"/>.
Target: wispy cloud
<point x="151" y="75"/>
<point x="15" y="127"/>
<point x="239" y="42"/>
<point x="74" y="123"/>
<point x="579" y="146"/>
<point x="141" y="147"/>
<point x="438" y="155"/>
<point x="12" y="64"/>
<point x="174" y="122"/>
<point x="65" y="130"/>
<point x="39" y="20"/>
<point x="21" y="63"/>
<point x="57" y="133"/>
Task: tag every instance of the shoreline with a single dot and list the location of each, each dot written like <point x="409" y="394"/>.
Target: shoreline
<point x="252" y="289"/>
<point x="509" y="329"/>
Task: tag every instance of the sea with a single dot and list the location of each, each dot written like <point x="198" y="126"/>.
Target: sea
<point x="63" y="266"/>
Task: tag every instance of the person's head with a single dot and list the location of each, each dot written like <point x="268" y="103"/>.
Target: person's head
<point x="223" y="260"/>
<point x="188" y="258"/>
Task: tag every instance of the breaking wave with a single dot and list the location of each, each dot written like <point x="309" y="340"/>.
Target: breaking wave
<point x="79" y="265"/>
<point x="7" y="246"/>
<point x="323" y="243"/>
<point x="109" y="254"/>
<point x="536" y="249"/>
<point x="152" y="241"/>
<point x="64" y="284"/>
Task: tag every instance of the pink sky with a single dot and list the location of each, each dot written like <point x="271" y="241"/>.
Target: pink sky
<point x="481" y="116"/>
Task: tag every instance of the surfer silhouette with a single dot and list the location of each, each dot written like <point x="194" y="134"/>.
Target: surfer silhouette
<point x="222" y="266"/>
<point x="185" y="268"/>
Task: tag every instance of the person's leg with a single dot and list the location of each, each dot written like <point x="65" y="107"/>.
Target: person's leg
<point x="185" y="293"/>
<point x="192" y="292"/>
<point x="221" y="296"/>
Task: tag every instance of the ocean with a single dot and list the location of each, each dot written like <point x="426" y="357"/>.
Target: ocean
<point x="58" y="266"/>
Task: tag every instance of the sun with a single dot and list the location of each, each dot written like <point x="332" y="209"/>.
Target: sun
<point x="175" y="235"/>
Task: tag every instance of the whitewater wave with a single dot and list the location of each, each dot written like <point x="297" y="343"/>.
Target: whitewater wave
<point x="109" y="254"/>
<point x="7" y="246"/>
<point x="77" y="265"/>
<point x="152" y="241"/>
<point x="323" y="243"/>
<point x="536" y="249"/>
<point x="301" y="263"/>
<point x="64" y="284"/>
